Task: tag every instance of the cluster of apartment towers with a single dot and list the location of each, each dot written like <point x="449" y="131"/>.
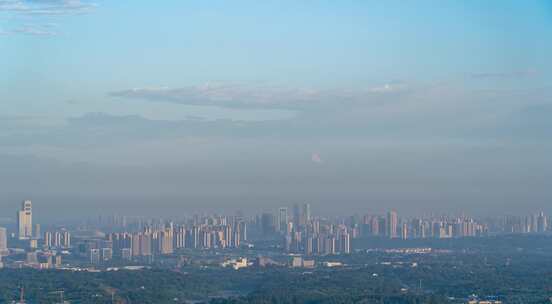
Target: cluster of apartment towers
<point x="27" y="232"/>
<point x="163" y="239"/>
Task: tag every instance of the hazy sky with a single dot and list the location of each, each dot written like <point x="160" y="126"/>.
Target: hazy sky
<point x="142" y="106"/>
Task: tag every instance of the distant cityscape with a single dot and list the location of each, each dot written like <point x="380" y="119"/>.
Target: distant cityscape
<point x="289" y="236"/>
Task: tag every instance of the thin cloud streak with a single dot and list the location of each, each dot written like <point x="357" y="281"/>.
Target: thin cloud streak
<point x="54" y="7"/>
<point x="34" y="31"/>
<point x="39" y="13"/>
<point x="44" y="30"/>
<point x="513" y="74"/>
<point x="240" y="96"/>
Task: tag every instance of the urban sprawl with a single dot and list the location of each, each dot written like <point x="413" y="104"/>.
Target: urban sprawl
<point x="288" y="237"/>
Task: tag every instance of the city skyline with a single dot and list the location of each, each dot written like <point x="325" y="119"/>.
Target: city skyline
<point x="355" y="105"/>
<point x="128" y="239"/>
<point x="278" y="220"/>
<point x="50" y="216"/>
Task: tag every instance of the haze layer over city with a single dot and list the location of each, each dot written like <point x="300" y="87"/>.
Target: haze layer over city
<point x="358" y="106"/>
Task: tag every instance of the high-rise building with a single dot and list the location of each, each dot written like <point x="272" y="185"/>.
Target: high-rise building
<point x="66" y="239"/>
<point x="37" y="231"/>
<point x="392" y="224"/>
<point x="94" y="256"/>
<point x="194" y="240"/>
<point x="542" y="223"/>
<point x="296" y="216"/>
<point x="126" y="253"/>
<point x="267" y="223"/>
<point x="135" y="244"/>
<point x="306" y="216"/>
<point x="180" y="237"/>
<point x="374" y="226"/>
<point x="58" y="261"/>
<point x="25" y="220"/>
<point x="283" y="220"/>
<point x="145" y="244"/>
<point x="166" y="239"/>
<point x="47" y="239"/>
<point x="329" y="245"/>
<point x="404" y="231"/>
<point x="308" y="246"/>
<point x="228" y="235"/>
<point x="238" y="235"/>
<point x="107" y="254"/>
<point x="345" y="243"/>
<point x="243" y="231"/>
<point x="57" y="239"/>
<point x="3" y="241"/>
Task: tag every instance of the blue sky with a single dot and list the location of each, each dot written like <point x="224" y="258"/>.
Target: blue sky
<point x="177" y="84"/>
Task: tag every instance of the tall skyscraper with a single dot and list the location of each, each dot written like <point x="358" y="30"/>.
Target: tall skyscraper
<point x="306" y="216"/>
<point x="267" y="223"/>
<point x="243" y="231"/>
<point x="66" y="239"/>
<point x="37" y="231"/>
<point x="25" y="220"/>
<point x="48" y="239"/>
<point x="542" y="223"/>
<point x="296" y="216"/>
<point x="374" y="226"/>
<point x="3" y="241"/>
<point x="135" y="244"/>
<point x="404" y="231"/>
<point x="283" y="220"/>
<point x="392" y="223"/>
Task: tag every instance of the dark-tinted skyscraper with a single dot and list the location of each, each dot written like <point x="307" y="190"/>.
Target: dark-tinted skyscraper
<point x="306" y="216"/>
<point x="296" y="216"/>
<point x="283" y="220"/>
<point x="267" y="223"/>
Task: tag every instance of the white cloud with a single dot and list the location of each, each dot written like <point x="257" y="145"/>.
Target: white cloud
<point x="25" y="10"/>
<point x="34" y="31"/>
<point x="46" y="7"/>
<point x="260" y="96"/>
<point x="511" y="74"/>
